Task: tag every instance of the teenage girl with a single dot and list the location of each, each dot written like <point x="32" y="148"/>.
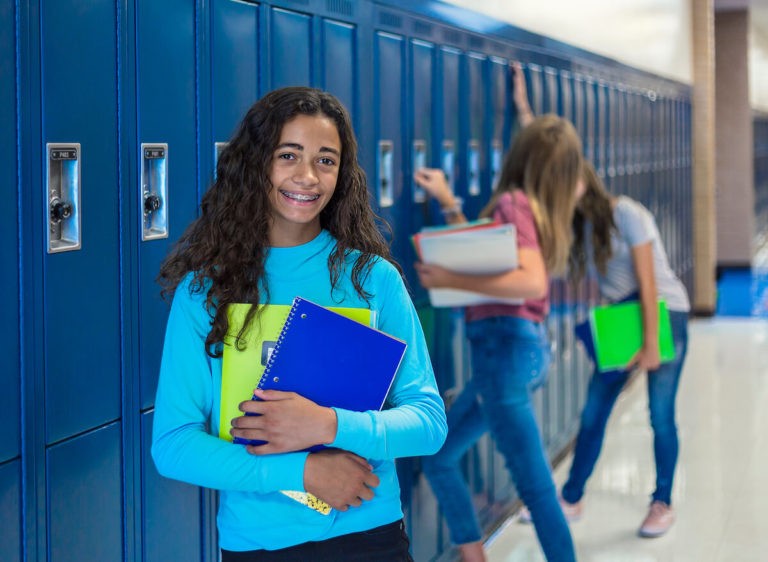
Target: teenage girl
<point x="510" y="352"/>
<point x="289" y="214"/>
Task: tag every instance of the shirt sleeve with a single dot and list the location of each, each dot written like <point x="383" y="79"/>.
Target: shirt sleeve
<point x="514" y="208"/>
<point x="182" y="448"/>
<point x="635" y="223"/>
<point x="413" y="421"/>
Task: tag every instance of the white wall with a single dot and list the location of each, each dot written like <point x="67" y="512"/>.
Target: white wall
<point x="654" y="35"/>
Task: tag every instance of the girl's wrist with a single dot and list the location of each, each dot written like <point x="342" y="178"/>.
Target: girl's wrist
<point x="452" y="207"/>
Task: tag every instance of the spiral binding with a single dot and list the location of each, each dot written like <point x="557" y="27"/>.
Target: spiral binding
<point x="276" y="350"/>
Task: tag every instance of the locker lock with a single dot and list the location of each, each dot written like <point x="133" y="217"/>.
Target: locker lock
<point x="60" y="210"/>
<point x="151" y="203"/>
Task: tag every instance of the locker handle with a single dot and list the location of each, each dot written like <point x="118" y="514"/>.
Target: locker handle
<point x="60" y="210"/>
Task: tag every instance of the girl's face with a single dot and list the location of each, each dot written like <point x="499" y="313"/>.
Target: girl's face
<point x="303" y="174"/>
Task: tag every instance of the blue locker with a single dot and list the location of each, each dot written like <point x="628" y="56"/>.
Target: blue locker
<point x="81" y="287"/>
<point x="388" y="189"/>
<point x="290" y="43"/>
<point x="9" y="249"/>
<point x="601" y="128"/>
<point x="172" y="521"/>
<point x="534" y="84"/>
<point x="166" y="116"/>
<point x="565" y="88"/>
<point x="339" y="62"/>
<point x="477" y="189"/>
<point x="501" y="118"/>
<point x="590" y="130"/>
<point x="235" y="50"/>
<point x="552" y="102"/>
<point x="84" y="497"/>
<point x="449" y="123"/>
<point x="10" y="511"/>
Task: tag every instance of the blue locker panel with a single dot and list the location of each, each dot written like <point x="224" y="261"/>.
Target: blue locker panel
<point x="10" y="511"/>
<point x="565" y="90"/>
<point x="612" y="139"/>
<point x="552" y="103"/>
<point x="475" y="176"/>
<point x="339" y="62"/>
<point x="579" y="115"/>
<point x="84" y="497"/>
<point x="290" y="44"/>
<point x="449" y="123"/>
<point x="601" y="127"/>
<point x="533" y="82"/>
<point x="9" y="249"/>
<point x="590" y="129"/>
<point x="388" y="188"/>
<point x="82" y="379"/>
<point x="420" y="150"/>
<point x="171" y="523"/>
<point x="234" y="65"/>
<point x="500" y="116"/>
<point x="166" y="114"/>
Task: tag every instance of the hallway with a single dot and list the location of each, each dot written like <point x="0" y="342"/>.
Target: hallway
<point x="720" y="485"/>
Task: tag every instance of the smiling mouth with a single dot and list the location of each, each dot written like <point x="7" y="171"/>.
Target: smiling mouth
<point x="300" y="196"/>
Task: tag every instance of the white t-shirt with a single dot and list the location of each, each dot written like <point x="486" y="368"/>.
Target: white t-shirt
<point x="635" y="226"/>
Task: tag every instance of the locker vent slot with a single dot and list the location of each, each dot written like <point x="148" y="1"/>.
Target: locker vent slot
<point x="422" y="28"/>
<point x="343" y="7"/>
<point x="452" y="36"/>
<point x="390" y="19"/>
<point x="476" y="42"/>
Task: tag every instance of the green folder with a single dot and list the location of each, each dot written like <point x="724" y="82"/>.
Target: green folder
<point x="617" y="331"/>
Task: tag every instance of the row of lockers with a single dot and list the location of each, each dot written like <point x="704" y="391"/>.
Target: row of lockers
<point x="120" y="110"/>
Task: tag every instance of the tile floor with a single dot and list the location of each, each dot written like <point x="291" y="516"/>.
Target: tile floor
<point x="721" y="483"/>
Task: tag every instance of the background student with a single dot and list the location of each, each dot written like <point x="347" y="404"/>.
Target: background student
<point x="619" y="237"/>
<point x="510" y="353"/>
<point x="289" y="215"/>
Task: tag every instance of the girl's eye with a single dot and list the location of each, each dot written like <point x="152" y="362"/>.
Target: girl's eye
<point x="327" y="161"/>
<point x="286" y="156"/>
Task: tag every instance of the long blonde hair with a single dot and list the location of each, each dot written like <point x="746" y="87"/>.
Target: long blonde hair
<point x="545" y="162"/>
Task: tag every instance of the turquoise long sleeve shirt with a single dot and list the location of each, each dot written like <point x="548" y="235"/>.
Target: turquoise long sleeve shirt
<point x="253" y="514"/>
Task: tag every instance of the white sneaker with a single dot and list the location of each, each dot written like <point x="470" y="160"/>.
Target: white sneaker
<point x="572" y="512"/>
<point x="658" y="521"/>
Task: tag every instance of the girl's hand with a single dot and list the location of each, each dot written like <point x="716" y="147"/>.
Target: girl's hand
<point x="286" y="421"/>
<point x="433" y="276"/>
<point x="520" y="95"/>
<point x="648" y="358"/>
<point x="434" y="182"/>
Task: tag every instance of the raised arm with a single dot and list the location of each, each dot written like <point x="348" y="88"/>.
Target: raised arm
<point x="520" y="95"/>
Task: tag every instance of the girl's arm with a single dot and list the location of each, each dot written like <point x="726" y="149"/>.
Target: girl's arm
<point x="520" y="95"/>
<point x="433" y="181"/>
<point x="528" y="281"/>
<point x="648" y="357"/>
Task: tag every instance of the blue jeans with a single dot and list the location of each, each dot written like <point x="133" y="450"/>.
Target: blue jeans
<point x="510" y="357"/>
<point x="601" y="396"/>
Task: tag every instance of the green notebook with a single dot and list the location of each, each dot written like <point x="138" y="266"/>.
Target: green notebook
<point x="617" y="332"/>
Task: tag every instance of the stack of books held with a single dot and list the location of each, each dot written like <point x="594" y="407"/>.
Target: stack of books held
<point x="480" y="247"/>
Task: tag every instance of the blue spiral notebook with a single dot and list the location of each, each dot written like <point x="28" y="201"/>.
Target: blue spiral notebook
<point x="332" y="360"/>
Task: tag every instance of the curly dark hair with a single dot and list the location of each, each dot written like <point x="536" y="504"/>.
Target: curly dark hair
<point x="594" y="207"/>
<point x="226" y="246"/>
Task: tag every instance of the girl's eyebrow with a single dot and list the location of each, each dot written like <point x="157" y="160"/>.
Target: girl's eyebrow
<point x="299" y="147"/>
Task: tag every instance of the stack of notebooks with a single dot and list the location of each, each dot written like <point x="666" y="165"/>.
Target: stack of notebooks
<point x="613" y="334"/>
<point x="330" y="356"/>
<point x="477" y="248"/>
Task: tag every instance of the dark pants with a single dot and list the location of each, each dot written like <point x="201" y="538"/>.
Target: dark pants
<point x="387" y="543"/>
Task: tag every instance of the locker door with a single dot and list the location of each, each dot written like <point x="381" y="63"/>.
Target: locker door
<point x="501" y="122"/>
<point x="339" y="62"/>
<point x="10" y="374"/>
<point x="422" y="65"/>
<point x="590" y="129"/>
<point x="449" y="124"/>
<point x="290" y="42"/>
<point x="10" y="511"/>
<point x="166" y="118"/>
<point x="82" y="359"/>
<point x="601" y="128"/>
<point x="477" y="190"/>
<point x="552" y="101"/>
<point x="388" y="187"/>
<point x="235" y="49"/>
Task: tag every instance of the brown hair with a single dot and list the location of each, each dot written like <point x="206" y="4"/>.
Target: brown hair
<point x="545" y="163"/>
<point x="594" y="207"/>
<point x="226" y="246"/>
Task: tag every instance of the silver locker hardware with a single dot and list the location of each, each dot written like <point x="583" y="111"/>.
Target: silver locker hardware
<point x="63" y="197"/>
<point x="153" y="191"/>
<point x="419" y="161"/>
<point x="448" y="161"/>
<point x="473" y="167"/>
<point x="385" y="173"/>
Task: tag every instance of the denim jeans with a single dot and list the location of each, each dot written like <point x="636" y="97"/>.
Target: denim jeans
<point x="510" y="357"/>
<point x="601" y="396"/>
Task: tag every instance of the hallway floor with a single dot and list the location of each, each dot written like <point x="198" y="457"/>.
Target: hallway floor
<point x="721" y="488"/>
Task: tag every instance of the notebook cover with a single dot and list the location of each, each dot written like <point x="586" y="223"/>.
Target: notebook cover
<point x="332" y="360"/>
<point x="241" y="370"/>
<point x="478" y="251"/>
<point x="617" y="332"/>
